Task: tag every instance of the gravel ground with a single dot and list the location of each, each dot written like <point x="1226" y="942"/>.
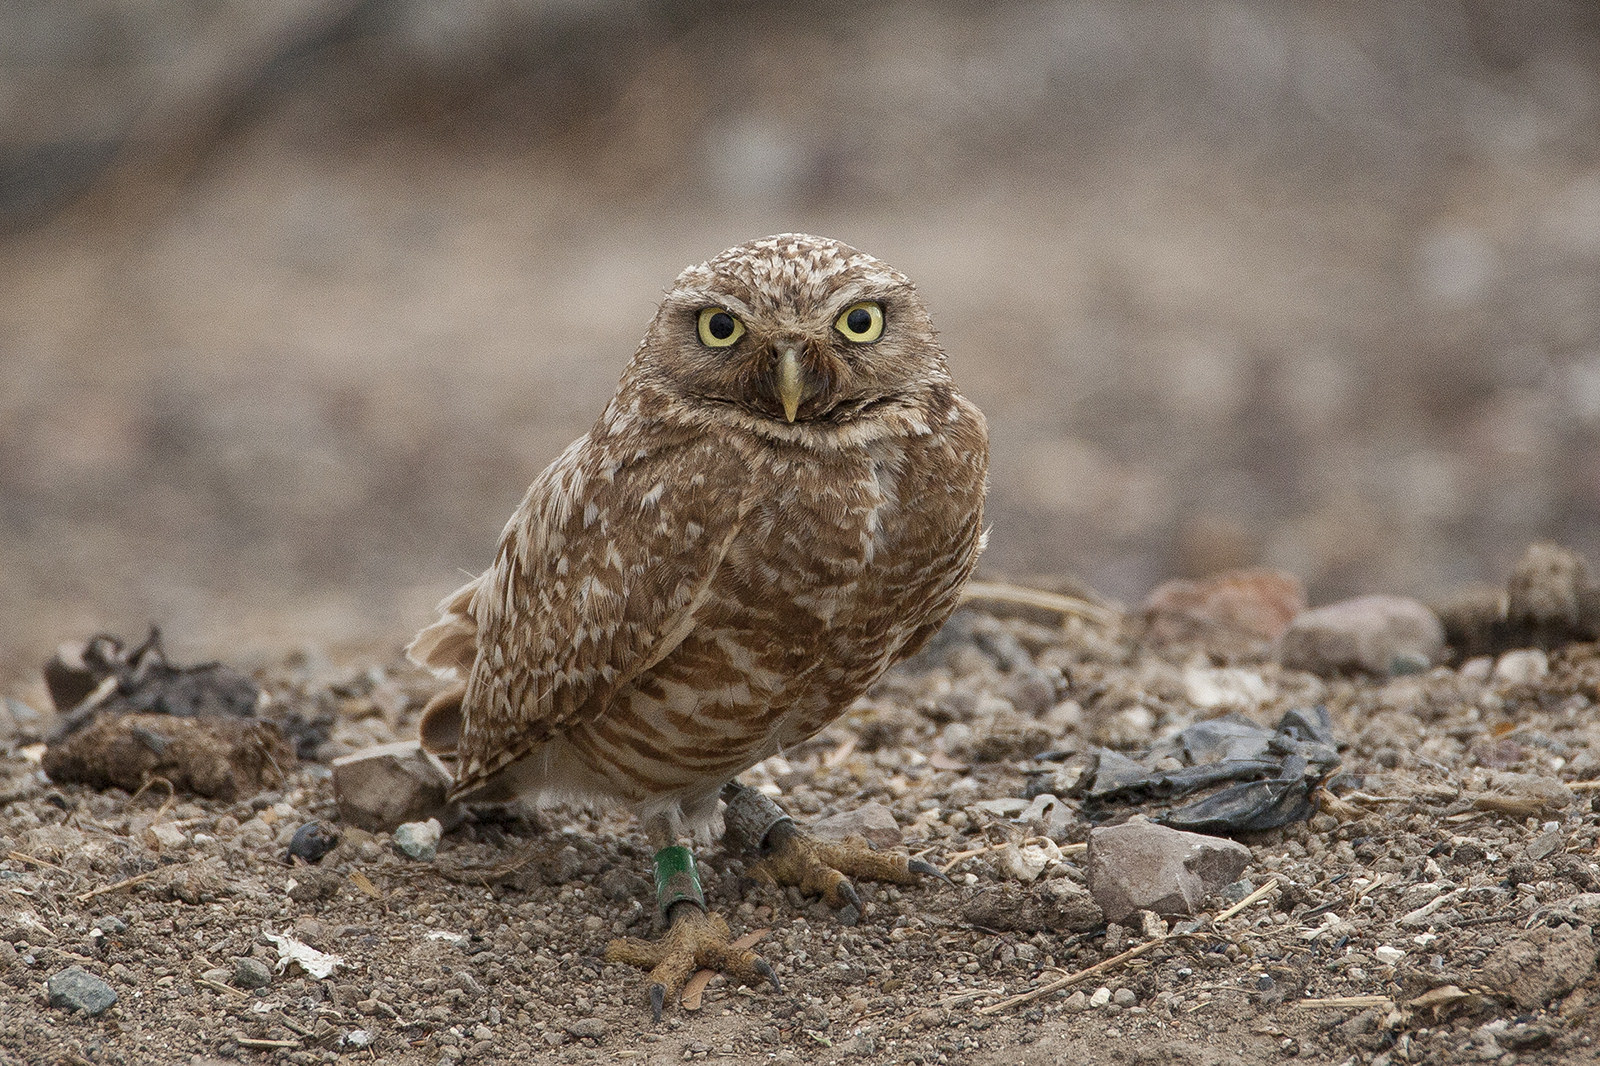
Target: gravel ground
<point x="1437" y="910"/>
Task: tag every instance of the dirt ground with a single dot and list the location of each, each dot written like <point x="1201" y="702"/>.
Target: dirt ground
<point x="1462" y="830"/>
<point x="1303" y="286"/>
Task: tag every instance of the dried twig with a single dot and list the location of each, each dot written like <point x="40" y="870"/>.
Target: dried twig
<point x="1076" y="606"/>
<point x="1253" y="897"/>
<point x="35" y="860"/>
<point x="127" y="882"/>
<point x="1081" y="976"/>
<point x="695" y="987"/>
<point x="1345" y="1001"/>
<point x="962" y="856"/>
<point x="220" y="987"/>
<point x="251" y="1041"/>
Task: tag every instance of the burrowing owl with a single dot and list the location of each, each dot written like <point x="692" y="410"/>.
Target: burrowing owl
<point x="782" y="499"/>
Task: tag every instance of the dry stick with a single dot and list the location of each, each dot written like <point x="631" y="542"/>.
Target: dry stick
<point x="1075" y="606"/>
<point x="20" y="857"/>
<point x="962" y="856"/>
<point x="128" y="882"/>
<point x="220" y="987"/>
<point x="250" y="1041"/>
<point x="1081" y="975"/>
<point x="1584" y="786"/>
<point x="695" y="987"/>
<point x="1117" y="960"/>
<point x="1344" y="1001"/>
<point x="1247" y="901"/>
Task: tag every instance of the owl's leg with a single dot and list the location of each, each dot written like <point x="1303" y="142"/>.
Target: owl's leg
<point x="695" y="939"/>
<point x="787" y="856"/>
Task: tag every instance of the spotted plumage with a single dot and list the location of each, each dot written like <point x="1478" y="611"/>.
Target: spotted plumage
<point x="753" y="531"/>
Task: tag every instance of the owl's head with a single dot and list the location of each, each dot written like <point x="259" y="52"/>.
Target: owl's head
<point x="792" y="329"/>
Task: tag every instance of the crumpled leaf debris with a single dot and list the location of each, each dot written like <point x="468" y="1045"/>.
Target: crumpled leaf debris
<point x="318" y="964"/>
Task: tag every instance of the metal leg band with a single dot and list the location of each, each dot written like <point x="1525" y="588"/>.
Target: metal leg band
<point x="751" y="816"/>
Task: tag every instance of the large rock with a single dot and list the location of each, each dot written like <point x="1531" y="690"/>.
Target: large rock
<point x="1141" y="866"/>
<point x="1379" y="635"/>
<point x="382" y="787"/>
<point x="1540" y="965"/>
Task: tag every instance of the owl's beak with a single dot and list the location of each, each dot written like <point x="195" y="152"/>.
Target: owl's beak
<point x="791" y="387"/>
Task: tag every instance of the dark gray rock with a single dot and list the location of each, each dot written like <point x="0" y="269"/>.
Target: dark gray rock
<point x="77" y="989"/>
<point x="251" y="973"/>
<point x="593" y="1028"/>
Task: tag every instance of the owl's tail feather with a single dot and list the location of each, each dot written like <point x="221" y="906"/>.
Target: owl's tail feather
<point x="449" y="646"/>
<point x="440" y="728"/>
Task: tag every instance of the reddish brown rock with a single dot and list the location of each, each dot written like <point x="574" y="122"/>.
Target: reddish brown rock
<point x="1230" y="611"/>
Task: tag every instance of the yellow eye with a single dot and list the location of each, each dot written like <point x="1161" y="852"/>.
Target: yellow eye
<point x="862" y="322"/>
<point x="719" y="328"/>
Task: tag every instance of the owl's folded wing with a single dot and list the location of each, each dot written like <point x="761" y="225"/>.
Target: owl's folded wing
<point x="596" y="580"/>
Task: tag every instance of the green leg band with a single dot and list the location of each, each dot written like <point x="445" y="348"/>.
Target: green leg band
<point x="677" y="881"/>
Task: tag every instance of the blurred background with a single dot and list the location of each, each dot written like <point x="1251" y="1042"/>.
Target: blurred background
<point x="295" y="298"/>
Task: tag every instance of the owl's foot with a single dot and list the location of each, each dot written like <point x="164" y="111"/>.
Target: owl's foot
<point x="788" y="856"/>
<point x="695" y="939"/>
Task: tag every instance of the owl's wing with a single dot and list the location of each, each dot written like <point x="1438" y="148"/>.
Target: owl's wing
<point x="597" y="578"/>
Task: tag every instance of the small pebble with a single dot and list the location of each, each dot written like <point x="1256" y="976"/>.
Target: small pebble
<point x="312" y="841"/>
<point x="1521" y="667"/>
<point x="1101" y="997"/>
<point x="251" y="973"/>
<point x="1125" y="997"/>
<point x="593" y="1028"/>
<point x="420" y="840"/>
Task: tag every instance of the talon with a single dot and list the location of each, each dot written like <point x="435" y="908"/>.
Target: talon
<point x="658" y="999"/>
<point x="764" y="968"/>
<point x="919" y="866"/>
<point x="851" y="897"/>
